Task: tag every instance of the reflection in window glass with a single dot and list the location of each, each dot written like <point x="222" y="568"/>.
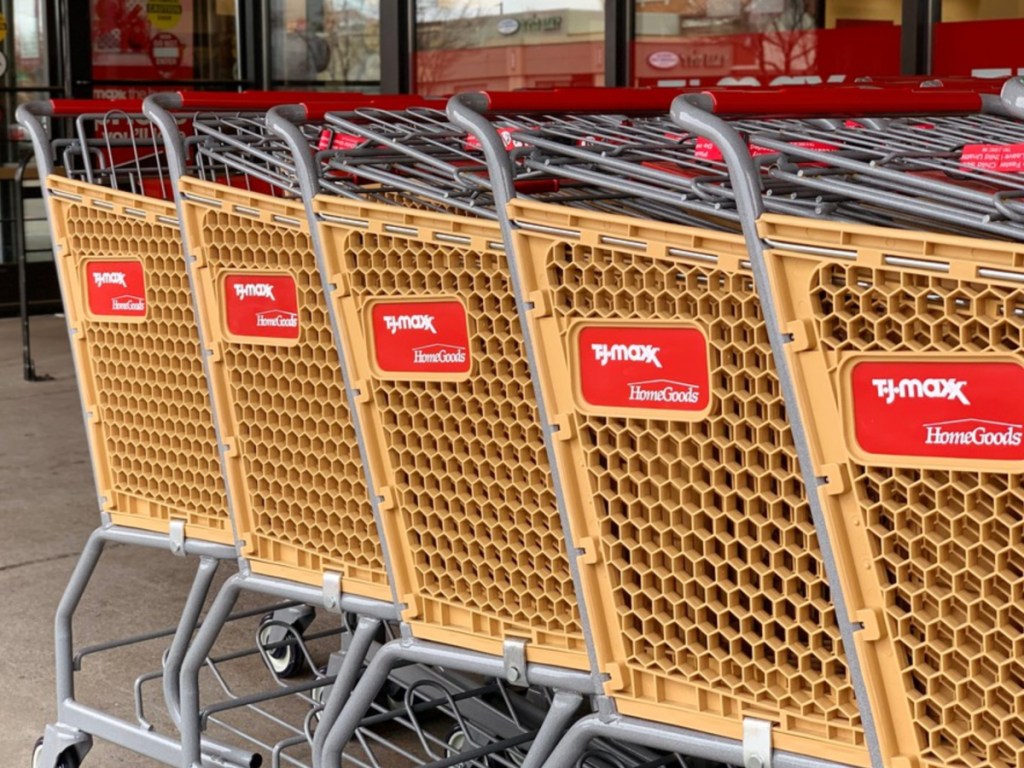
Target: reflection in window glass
<point x="762" y="42"/>
<point x="152" y="41"/>
<point x="978" y="38"/>
<point x="465" y="45"/>
<point x="31" y="65"/>
<point x="325" y="43"/>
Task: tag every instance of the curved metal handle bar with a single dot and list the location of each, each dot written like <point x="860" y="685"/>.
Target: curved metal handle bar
<point x="750" y="206"/>
<point x="463" y="111"/>
<point x="28" y="117"/>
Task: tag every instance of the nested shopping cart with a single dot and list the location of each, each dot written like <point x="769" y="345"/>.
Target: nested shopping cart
<point x="703" y="577"/>
<point x="140" y="376"/>
<point x="904" y="349"/>
<point x="294" y="459"/>
<point x="305" y="526"/>
<point x="140" y="372"/>
<point x="424" y="306"/>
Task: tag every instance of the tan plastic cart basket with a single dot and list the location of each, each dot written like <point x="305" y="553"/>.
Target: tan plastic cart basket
<point x="469" y="508"/>
<point x="137" y="359"/>
<point x="701" y="571"/>
<point x="296" y="479"/>
<point x="907" y="359"/>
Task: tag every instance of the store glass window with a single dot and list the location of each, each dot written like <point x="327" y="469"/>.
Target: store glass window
<point x="31" y="60"/>
<point x="764" y="42"/>
<point x="979" y="38"/>
<point x="150" y="42"/>
<point x="325" y="44"/>
<point x="466" y="45"/>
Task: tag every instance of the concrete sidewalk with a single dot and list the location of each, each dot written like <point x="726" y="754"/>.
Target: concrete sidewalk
<point x="47" y="510"/>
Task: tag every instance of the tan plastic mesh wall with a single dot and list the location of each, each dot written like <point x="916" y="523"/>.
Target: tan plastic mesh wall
<point x="469" y="503"/>
<point x="703" y="577"/>
<point x="931" y="555"/>
<point x="151" y="432"/>
<point x="296" y="477"/>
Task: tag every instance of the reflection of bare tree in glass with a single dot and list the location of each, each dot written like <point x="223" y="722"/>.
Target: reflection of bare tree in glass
<point x="444" y="28"/>
<point x="353" y="31"/>
<point x="788" y="39"/>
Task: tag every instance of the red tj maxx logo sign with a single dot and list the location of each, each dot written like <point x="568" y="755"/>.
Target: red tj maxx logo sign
<point x="260" y="305"/>
<point x="116" y="289"/>
<point x="420" y="337"/>
<point x="643" y="367"/>
<point x="955" y="410"/>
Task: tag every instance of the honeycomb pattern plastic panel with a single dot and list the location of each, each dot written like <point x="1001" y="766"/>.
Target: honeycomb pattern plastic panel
<point x="297" y="482"/>
<point x="427" y="307"/>
<point x="137" y="360"/>
<point x="907" y="353"/>
<point x="702" y="573"/>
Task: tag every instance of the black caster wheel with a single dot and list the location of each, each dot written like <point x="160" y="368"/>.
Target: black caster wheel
<point x="286" y="660"/>
<point x="68" y="758"/>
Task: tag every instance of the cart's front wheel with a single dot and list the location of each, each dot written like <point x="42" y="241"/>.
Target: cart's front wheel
<point x="455" y="742"/>
<point x="67" y="759"/>
<point x="319" y="696"/>
<point x="286" y="660"/>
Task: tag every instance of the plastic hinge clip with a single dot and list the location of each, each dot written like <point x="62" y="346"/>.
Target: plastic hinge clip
<point x="835" y="479"/>
<point x="339" y="285"/>
<point x="588" y="551"/>
<point x="801" y="335"/>
<point x="561" y="427"/>
<point x="412" y="608"/>
<point x="332" y="591"/>
<point x="176" y="537"/>
<point x="514" y="657"/>
<point x="541" y="304"/>
<point x="871" y="625"/>
<point x="757" y="743"/>
<point x="616" y="678"/>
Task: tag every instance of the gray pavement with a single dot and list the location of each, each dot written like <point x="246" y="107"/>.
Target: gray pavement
<point x="47" y="510"/>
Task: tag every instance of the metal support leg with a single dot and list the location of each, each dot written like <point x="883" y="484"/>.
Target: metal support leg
<point x="574" y="743"/>
<point x="359" y="702"/>
<point x="63" y="633"/>
<point x="564" y="707"/>
<point x="355" y="654"/>
<point x="191" y="745"/>
<point x="664" y="738"/>
<point x="419" y="652"/>
<point x="186" y="626"/>
<point x="76" y="722"/>
<point x="197" y="595"/>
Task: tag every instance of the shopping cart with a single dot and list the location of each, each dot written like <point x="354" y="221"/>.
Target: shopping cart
<point x="625" y="246"/>
<point x="318" y="527"/>
<point x="144" y="399"/>
<point x="703" y="578"/>
<point x="291" y="455"/>
<point x="423" y="305"/>
<point x="902" y="350"/>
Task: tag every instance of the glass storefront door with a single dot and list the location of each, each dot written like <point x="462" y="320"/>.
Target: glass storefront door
<point x="138" y="46"/>
<point x="464" y="45"/>
<point x="980" y="38"/>
<point x="763" y="42"/>
<point x="325" y="44"/>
